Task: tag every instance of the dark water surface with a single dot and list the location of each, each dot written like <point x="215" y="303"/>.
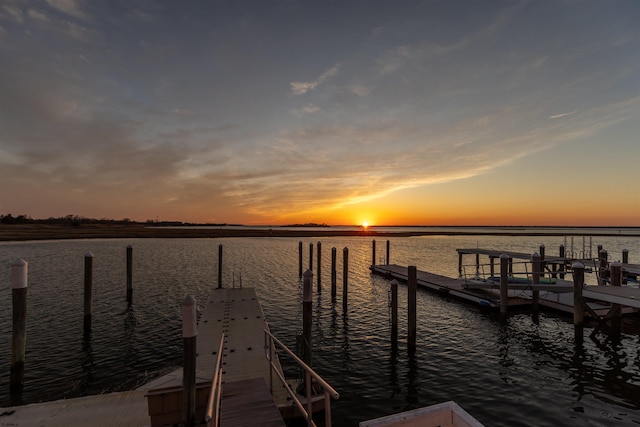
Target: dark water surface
<point x="505" y="374"/>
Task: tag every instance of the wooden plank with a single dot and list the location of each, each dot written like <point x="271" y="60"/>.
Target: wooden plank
<point x="248" y="403"/>
<point x="623" y="295"/>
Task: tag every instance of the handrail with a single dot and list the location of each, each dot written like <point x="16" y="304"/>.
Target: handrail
<point x="329" y="392"/>
<point x="213" y="418"/>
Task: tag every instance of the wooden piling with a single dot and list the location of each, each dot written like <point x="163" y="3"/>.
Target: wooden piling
<point x="318" y="279"/>
<point x="189" y="334"/>
<point x="394" y="312"/>
<point x="300" y="258"/>
<point x="129" y="274"/>
<point x="412" y="286"/>
<point x="88" y="291"/>
<point x="333" y="274"/>
<point x="505" y="263"/>
<point x="311" y="256"/>
<point x="536" y="270"/>
<point x="616" y="280"/>
<point x="542" y="255"/>
<point x="220" y="266"/>
<point x="625" y="256"/>
<point x="460" y="265"/>
<point x="477" y="265"/>
<point x="388" y="261"/>
<point x="603" y="256"/>
<point x="562" y="266"/>
<point x="307" y="315"/>
<point x="373" y="252"/>
<point x="578" y="283"/>
<point x="492" y="268"/>
<point x="345" y="278"/>
<point x="19" y="270"/>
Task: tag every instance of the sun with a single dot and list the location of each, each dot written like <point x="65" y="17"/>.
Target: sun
<point x="365" y="224"/>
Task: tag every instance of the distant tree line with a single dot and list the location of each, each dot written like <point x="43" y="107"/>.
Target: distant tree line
<point x="71" y="220"/>
<point x="77" y="220"/>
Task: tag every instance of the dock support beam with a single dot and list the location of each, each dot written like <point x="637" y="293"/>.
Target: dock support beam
<point x="616" y="280"/>
<point x="578" y="283"/>
<point x="311" y="256"/>
<point x="319" y="280"/>
<point x="189" y="334"/>
<point x="412" y="287"/>
<point x="333" y="274"/>
<point x="394" y="312"/>
<point x="88" y="291"/>
<point x="562" y="266"/>
<point x="307" y="315"/>
<point x="505" y="263"/>
<point x="460" y="265"/>
<point x="345" y="278"/>
<point x="19" y="336"/>
<point x="220" y="266"/>
<point x="625" y="256"/>
<point x="300" y="259"/>
<point x="373" y="252"/>
<point x="603" y="256"/>
<point x="388" y="261"/>
<point x="129" y="274"/>
<point x="536" y="270"/>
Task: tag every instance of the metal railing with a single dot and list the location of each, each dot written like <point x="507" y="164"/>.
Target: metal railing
<point x="212" y="415"/>
<point x="329" y="392"/>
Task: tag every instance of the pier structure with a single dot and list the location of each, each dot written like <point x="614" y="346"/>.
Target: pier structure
<point x="234" y="341"/>
<point x="480" y="283"/>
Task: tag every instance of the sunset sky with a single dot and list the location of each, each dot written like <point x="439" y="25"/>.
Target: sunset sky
<point x="279" y="112"/>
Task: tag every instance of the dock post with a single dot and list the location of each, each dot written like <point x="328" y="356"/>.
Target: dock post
<point x="319" y="266"/>
<point x="311" y="256"/>
<point x="220" y="266"/>
<point x="536" y="269"/>
<point x="333" y="273"/>
<point x="510" y="266"/>
<point x="459" y="265"/>
<point x="603" y="256"/>
<point x="412" y="285"/>
<point x="394" y="312"/>
<point x="307" y="315"/>
<point x="505" y="263"/>
<point x="561" y="253"/>
<point x="189" y="334"/>
<point x="542" y="258"/>
<point x="625" y="256"/>
<point x="300" y="259"/>
<point x="19" y="269"/>
<point x="492" y="269"/>
<point x="129" y="274"/>
<point x="616" y="280"/>
<point x="578" y="283"/>
<point x="88" y="291"/>
<point x="477" y="266"/>
<point x="345" y="278"/>
<point x="373" y="254"/>
<point x="388" y="253"/>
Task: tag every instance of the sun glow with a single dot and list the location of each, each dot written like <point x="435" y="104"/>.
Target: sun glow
<point x="365" y="224"/>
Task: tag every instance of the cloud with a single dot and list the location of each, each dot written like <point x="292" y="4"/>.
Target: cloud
<point x="69" y="7"/>
<point x="59" y="25"/>
<point x="11" y="11"/>
<point x="558" y="116"/>
<point x="300" y="88"/>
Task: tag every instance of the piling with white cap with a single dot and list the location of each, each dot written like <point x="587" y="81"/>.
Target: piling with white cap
<point x="19" y="270"/>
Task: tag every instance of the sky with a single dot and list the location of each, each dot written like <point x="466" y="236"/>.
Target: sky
<point x="338" y="112"/>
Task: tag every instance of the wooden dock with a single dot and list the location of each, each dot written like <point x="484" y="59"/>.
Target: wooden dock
<point x="487" y="293"/>
<point x="246" y="395"/>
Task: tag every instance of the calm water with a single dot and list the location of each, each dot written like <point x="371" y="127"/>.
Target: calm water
<point x="514" y="373"/>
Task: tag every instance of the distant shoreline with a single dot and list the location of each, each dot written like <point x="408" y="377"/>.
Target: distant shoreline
<point x="25" y="232"/>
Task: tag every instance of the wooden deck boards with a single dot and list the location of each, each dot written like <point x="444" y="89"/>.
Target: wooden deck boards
<point x="249" y="403"/>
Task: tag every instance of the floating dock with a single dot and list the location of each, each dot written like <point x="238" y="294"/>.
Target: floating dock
<point x="486" y="293"/>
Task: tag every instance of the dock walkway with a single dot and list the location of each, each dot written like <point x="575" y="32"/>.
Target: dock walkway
<point x="487" y="294"/>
